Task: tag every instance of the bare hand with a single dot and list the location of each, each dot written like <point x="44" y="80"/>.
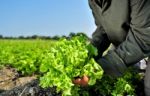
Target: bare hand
<point x="81" y="81"/>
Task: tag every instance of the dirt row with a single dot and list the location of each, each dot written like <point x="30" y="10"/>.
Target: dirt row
<point x="12" y="84"/>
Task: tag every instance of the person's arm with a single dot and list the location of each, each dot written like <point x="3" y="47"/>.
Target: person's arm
<point x="137" y="43"/>
<point x="100" y="41"/>
<point x="99" y="37"/>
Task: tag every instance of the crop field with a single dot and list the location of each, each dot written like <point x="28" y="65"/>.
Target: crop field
<point x="25" y="55"/>
<point x="57" y="63"/>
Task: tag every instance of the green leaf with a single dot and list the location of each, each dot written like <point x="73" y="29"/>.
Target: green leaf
<point x="92" y="50"/>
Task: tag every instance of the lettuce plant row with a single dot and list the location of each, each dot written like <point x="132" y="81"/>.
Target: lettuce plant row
<point x="57" y="63"/>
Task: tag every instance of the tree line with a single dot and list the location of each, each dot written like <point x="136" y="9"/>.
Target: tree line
<point x="56" y="37"/>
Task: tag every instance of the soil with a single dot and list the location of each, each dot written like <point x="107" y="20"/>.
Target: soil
<point x="12" y="84"/>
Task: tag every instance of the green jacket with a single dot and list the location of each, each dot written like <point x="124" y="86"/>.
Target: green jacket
<point x="126" y="24"/>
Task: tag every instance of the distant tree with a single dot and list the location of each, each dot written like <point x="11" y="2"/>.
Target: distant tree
<point x="44" y="37"/>
<point x="34" y="37"/>
<point x="63" y="36"/>
<point x="28" y="37"/>
<point x="56" y="37"/>
<point x="72" y="34"/>
<point x="1" y="36"/>
<point x="21" y="37"/>
<point x="81" y="33"/>
<point x="48" y="37"/>
<point x="8" y="37"/>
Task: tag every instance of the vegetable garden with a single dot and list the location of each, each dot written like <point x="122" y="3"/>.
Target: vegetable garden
<point x="57" y="63"/>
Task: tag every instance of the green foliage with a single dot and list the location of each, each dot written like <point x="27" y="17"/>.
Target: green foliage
<point x="121" y="86"/>
<point x="24" y="55"/>
<point x="61" y="61"/>
<point x="69" y="59"/>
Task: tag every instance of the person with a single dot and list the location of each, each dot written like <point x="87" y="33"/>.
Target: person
<point x="125" y="24"/>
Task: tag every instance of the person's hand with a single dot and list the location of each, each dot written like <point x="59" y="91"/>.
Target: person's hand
<point x="81" y="81"/>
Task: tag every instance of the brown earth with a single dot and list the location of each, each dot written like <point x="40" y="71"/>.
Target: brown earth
<point x="12" y="84"/>
<point x="9" y="79"/>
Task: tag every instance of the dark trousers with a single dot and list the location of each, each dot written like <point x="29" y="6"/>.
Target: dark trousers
<point x="147" y="79"/>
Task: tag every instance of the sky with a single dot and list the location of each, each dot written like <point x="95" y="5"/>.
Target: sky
<point x="45" y="17"/>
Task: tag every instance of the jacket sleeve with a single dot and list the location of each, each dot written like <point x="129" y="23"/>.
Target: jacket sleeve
<point x="137" y="43"/>
<point x="99" y="38"/>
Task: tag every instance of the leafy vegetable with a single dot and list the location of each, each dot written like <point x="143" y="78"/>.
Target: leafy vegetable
<point x="69" y="59"/>
<point x="61" y="61"/>
<point x="121" y="86"/>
